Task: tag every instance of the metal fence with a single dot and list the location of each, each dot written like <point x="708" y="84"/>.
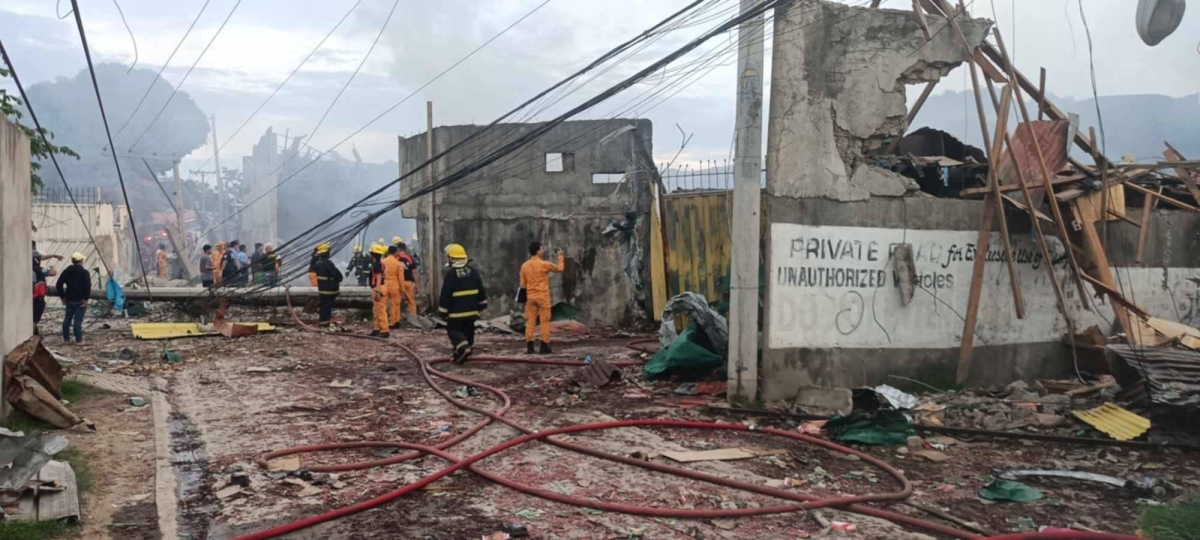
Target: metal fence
<point x="711" y="175"/>
<point x="59" y="195"/>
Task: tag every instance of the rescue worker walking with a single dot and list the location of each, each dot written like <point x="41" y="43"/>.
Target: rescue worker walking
<point x="161" y="257"/>
<point x="535" y="279"/>
<point x="74" y="287"/>
<point x="461" y="299"/>
<point x="379" y="292"/>
<point x="393" y="278"/>
<point x="410" y="281"/>
<point x="329" y="280"/>
<point x="360" y="265"/>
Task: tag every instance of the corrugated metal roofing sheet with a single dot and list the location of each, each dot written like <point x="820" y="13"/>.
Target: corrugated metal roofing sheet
<point x="1171" y="376"/>
<point x="1117" y="422"/>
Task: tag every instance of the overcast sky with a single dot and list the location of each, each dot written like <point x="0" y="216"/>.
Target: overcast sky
<point x="265" y="39"/>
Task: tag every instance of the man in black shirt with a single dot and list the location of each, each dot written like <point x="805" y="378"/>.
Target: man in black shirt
<point x="74" y="287"/>
<point x="461" y="300"/>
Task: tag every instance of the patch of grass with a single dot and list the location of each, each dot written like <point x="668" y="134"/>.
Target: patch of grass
<point x="1171" y="521"/>
<point x="35" y="530"/>
<point x="74" y="390"/>
<point x="83" y="472"/>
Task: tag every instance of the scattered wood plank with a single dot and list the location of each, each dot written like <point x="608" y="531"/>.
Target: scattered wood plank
<point x="1185" y="176"/>
<point x="1163" y="198"/>
<point x="1147" y="211"/>
<point x="723" y="454"/>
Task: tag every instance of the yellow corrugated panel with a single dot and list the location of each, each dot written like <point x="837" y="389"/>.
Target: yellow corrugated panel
<point x="698" y="243"/>
<point x="152" y="331"/>
<point x="1117" y="422"/>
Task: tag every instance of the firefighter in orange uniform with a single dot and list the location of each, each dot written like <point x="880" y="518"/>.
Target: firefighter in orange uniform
<point x="217" y="253"/>
<point x="393" y="278"/>
<point x="535" y="279"/>
<point x="379" y="293"/>
<point x="161" y="256"/>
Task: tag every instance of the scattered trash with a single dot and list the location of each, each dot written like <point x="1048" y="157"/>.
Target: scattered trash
<point x="691" y="353"/>
<point x="27" y="395"/>
<point x="844" y="527"/>
<point x="515" y="530"/>
<point x="529" y="513"/>
<point x="695" y="307"/>
<point x="724" y="454"/>
<point x="726" y="524"/>
<point x="1010" y="491"/>
<point x="341" y="384"/>
<point x="1115" y="421"/>
<point x="706" y="388"/>
<point x="897" y="398"/>
<point x="498" y="535"/>
<point x="51" y="494"/>
<point x="229" y="492"/>
<point x="812" y="427"/>
<point x="935" y="456"/>
<point x="171" y="356"/>
<point x="287" y="464"/>
<point x="34" y="360"/>
<point x="636" y="395"/>
<point x="137" y="401"/>
<point x="1145" y="487"/>
<point x="4" y="432"/>
<point x="258" y="369"/>
<point x="240" y="479"/>
<point x="466" y="391"/>
<point x="884" y="428"/>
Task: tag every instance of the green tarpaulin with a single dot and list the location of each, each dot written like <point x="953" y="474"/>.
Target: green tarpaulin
<point x="884" y="428"/>
<point x="686" y="355"/>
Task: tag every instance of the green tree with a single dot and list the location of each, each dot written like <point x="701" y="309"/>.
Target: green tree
<point x="40" y="148"/>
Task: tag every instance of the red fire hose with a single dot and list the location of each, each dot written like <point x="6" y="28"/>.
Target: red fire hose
<point x="800" y="502"/>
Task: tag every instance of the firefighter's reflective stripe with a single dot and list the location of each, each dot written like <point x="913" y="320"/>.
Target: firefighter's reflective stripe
<point x="464" y="314"/>
<point x="469" y="292"/>
<point x="330" y="293"/>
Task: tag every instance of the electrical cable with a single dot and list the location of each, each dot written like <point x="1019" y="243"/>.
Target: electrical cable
<point x="87" y="53"/>
<point x="131" y="38"/>
<point x="161" y="69"/>
<point x="297" y="70"/>
<point x="185" y="75"/>
<point x="41" y="132"/>
<point x="57" y="4"/>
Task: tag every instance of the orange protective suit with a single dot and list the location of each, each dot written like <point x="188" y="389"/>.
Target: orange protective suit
<point x="161" y="255"/>
<point x="535" y="278"/>
<point x="410" y="296"/>
<point x="217" y="253"/>
<point x="393" y="280"/>
<point x="380" y="297"/>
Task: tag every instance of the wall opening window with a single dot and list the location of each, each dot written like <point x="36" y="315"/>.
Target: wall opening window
<point x="608" y="178"/>
<point x="560" y="162"/>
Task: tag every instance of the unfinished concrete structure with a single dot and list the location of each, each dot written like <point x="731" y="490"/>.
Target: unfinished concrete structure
<point x="833" y="313"/>
<point x="584" y="187"/>
<point x="16" y="282"/>
<point x="58" y="230"/>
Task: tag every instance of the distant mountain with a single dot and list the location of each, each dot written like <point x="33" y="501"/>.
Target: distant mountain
<point x="1133" y="124"/>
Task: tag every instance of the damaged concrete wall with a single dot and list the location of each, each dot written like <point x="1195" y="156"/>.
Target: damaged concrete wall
<point x="838" y="92"/>
<point x="260" y="221"/>
<point x="16" y="253"/>
<point x="834" y="315"/>
<point x="598" y="219"/>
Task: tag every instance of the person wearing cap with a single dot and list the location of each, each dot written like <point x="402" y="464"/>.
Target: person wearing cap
<point x="74" y="286"/>
<point x="329" y="280"/>
<point x="360" y="264"/>
<point x="161" y="257"/>
<point x="379" y="295"/>
<point x="461" y="300"/>
<point x="393" y="278"/>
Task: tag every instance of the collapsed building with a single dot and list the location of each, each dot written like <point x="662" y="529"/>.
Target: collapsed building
<point x="592" y="200"/>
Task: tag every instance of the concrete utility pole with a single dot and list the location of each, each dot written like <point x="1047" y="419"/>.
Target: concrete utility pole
<point x="178" y="201"/>
<point x="743" y="290"/>
<point x="221" y="211"/>
<point x="432" y="241"/>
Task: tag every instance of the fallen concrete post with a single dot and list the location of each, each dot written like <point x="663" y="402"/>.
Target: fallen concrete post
<point x="348" y="297"/>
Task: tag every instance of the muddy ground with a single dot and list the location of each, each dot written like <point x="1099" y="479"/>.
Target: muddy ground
<point x="234" y="400"/>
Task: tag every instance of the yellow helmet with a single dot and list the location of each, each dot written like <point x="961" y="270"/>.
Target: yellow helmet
<point x="378" y="249"/>
<point x="455" y="251"/>
<point x="397" y="240"/>
<point x="358" y="249"/>
<point x="323" y="247"/>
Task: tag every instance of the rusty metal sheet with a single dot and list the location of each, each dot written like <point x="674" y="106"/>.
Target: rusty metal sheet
<point x="1053" y="137"/>
<point x="699" y="244"/>
<point x="1168" y="376"/>
<point x="1115" y="421"/>
<point x="600" y="373"/>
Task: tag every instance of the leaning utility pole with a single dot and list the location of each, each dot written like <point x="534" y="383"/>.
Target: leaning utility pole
<point x="432" y="242"/>
<point x="178" y="200"/>
<point x="221" y="210"/>
<point x="743" y="307"/>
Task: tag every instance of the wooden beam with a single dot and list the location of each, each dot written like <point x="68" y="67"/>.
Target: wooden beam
<point x="1147" y="211"/>
<point x="1163" y="198"/>
<point x="1103" y="188"/>
<point x="1042" y="99"/>
<point x="1021" y="206"/>
<point x="1124" y="218"/>
<point x="1041" y="159"/>
<point x="1104" y="272"/>
<point x="875" y="3"/>
<point x="1185" y="176"/>
<point x="1117" y="296"/>
<point x="912" y="113"/>
<point x="981" y="191"/>
<point x="920" y="13"/>
<point x="967" y="347"/>
<point x="994" y="181"/>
